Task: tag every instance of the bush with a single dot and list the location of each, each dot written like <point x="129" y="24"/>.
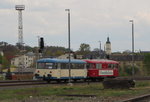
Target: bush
<point x="127" y="71"/>
<point x="147" y="63"/>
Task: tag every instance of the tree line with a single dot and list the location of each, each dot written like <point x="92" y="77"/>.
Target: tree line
<point x="10" y="51"/>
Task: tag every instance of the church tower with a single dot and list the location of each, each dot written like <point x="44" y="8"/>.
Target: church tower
<point x="108" y="48"/>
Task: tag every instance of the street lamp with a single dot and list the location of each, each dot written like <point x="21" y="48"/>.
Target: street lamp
<point x="38" y="48"/>
<point x="132" y="47"/>
<point x="100" y="54"/>
<point x="68" y="10"/>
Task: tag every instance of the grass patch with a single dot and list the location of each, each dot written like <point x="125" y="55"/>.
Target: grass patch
<point x="142" y="83"/>
<point x="92" y="89"/>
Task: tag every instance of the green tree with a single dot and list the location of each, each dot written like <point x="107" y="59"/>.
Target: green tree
<point x="3" y="62"/>
<point x="58" y="53"/>
<point x="127" y="70"/>
<point x="147" y="63"/>
<point x="84" y="47"/>
<point x="6" y="63"/>
<point x="1" y="59"/>
<point x="54" y="51"/>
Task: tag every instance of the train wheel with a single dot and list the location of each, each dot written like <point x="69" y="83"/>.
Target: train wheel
<point x="58" y="81"/>
<point x="44" y="77"/>
<point x="75" y="80"/>
<point x="65" y="80"/>
<point x="48" y="81"/>
<point x="93" y="80"/>
<point x="85" y="80"/>
<point x="100" y="79"/>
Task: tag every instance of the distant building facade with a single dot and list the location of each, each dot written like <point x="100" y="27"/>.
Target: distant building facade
<point x="1" y="53"/>
<point x="72" y="56"/>
<point x="66" y="56"/>
<point x="25" y="61"/>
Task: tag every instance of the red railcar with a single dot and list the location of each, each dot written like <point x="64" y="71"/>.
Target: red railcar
<point x="98" y="69"/>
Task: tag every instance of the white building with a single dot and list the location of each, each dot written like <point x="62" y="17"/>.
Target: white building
<point x="72" y="56"/>
<point x="1" y="53"/>
<point x="66" y="56"/>
<point x="25" y="61"/>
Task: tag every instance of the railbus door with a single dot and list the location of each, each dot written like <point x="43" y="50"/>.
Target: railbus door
<point x="59" y="70"/>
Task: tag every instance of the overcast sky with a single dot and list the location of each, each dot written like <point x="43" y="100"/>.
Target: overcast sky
<point x="91" y="21"/>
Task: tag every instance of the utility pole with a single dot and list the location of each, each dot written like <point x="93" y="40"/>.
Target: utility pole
<point x="100" y="50"/>
<point x="68" y="10"/>
<point x="133" y="72"/>
<point x="38" y="48"/>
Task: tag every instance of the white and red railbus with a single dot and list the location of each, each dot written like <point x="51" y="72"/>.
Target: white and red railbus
<point x="99" y="69"/>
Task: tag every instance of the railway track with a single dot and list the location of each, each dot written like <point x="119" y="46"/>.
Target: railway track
<point x="34" y="82"/>
<point x="137" y="78"/>
<point x="40" y="82"/>
<point x="18" y="81"/>
<point x="21" y="83"/>
<point x="143" y="98"/>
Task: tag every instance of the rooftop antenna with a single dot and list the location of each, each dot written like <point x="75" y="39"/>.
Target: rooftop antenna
<point x="19" y="8"/>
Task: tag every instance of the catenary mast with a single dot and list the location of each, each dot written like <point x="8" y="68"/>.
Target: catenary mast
<point x="19" y="8"/>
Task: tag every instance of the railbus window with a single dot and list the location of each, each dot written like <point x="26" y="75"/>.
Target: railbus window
<point x="109" y="65"/>
<point x="78" y="66"/>
<point x="72" y="66"/>
<point x="64" y="66"/>
<point x="58" y="65"/>
<point x="89" y="65"/>
<point x="50" y="65"/>
<point x="40" y="65"/>
<point x="98" y="66"/>
<point x="112" y="65"/>
<point x="55" y="65"/>
<point x="116" y="65"/>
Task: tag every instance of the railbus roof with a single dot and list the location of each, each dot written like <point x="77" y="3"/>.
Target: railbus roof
<point x="101" y="61"/>
<point x="54" y="60"/>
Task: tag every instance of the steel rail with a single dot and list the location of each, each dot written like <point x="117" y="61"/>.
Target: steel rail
<point x="137" y="99"/>
<point x="19" y="81"/>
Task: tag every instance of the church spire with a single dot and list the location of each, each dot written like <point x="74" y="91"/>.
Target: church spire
<point x="108" y="48"/>
<point x="108" y="42"/>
